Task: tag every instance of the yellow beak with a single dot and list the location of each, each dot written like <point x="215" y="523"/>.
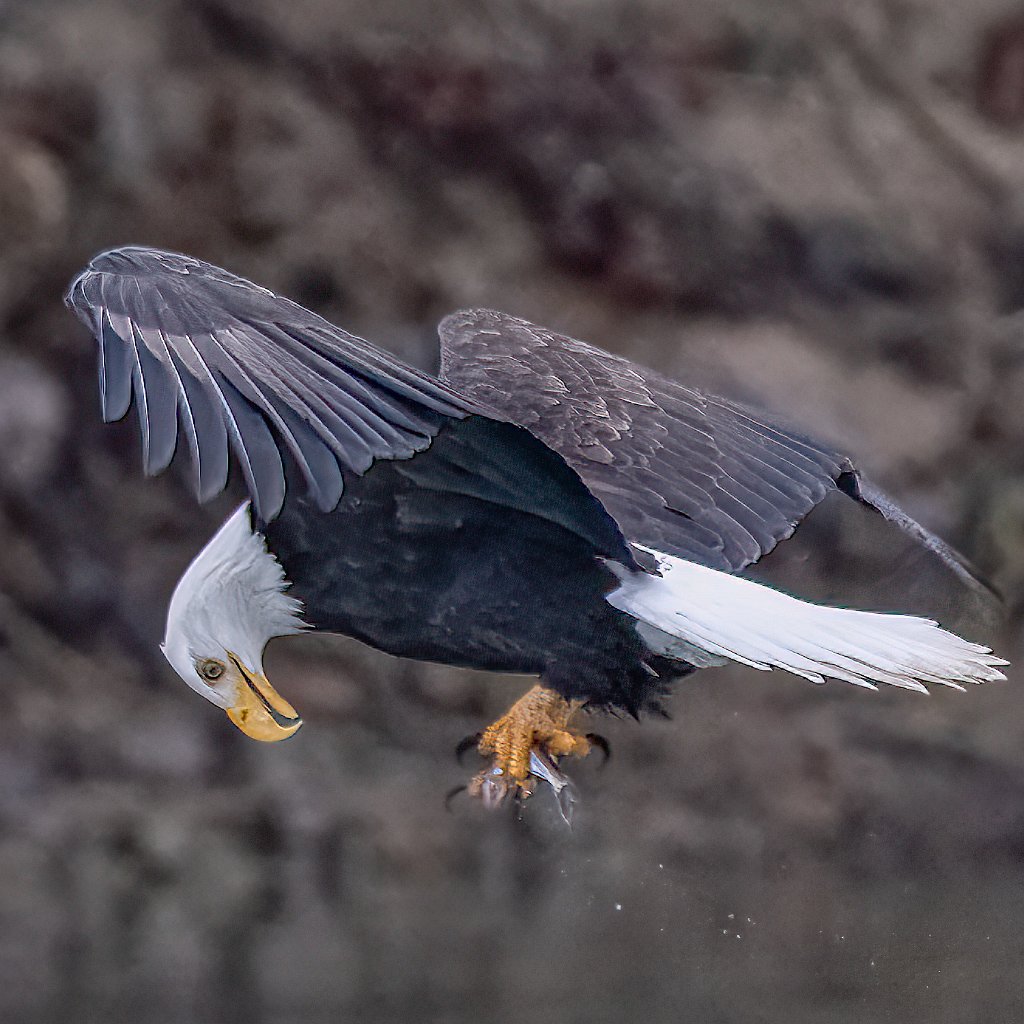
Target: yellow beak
<point x="259" y="710"/>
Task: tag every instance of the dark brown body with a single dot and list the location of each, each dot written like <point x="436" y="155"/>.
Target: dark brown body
<point x="412" y="566"/>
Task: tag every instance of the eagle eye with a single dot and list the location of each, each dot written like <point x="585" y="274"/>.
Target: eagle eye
<point x="211" y="669"/>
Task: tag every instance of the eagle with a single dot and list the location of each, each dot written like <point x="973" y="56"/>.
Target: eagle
<point x="540" y="506"/>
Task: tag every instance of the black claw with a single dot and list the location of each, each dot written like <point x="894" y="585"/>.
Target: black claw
<point x="602" y="744"/>
<point x="451" y="795"/>
<point x="468" y="743"/>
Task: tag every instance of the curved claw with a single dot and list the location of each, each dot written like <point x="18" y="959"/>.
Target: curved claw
<point x="596" y="740"/>
<point x="451" y="795"/>
<point x="466" y="743"/>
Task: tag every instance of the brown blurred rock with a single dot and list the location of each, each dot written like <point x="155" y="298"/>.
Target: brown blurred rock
<point x="33" y="424"/>
<point x="1000" y="87"/>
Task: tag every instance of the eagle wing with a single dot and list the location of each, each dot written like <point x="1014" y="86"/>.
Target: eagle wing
<point x="237" y="364"/>
<point x="686" y="473"/>
<point x="238" y="367"/>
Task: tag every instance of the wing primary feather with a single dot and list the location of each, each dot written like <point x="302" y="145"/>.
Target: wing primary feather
<point x="368" y="395"/>
<point x="116" y="364"/>
<point x="139" y="387"/>
<point x="353" y="423"/>
<point x="257" y="453"/>
<point x="213" y="400"/>
<point x="786" y="445"/>
<point x="188" y="423"/>
<point x="250" y="390"/>
<point x="326" y="483"/>
<point x="161" y="405"/>
<point x="402" y="380"/>
<point x="231" y="427"/>
<point x="854" y="485"/>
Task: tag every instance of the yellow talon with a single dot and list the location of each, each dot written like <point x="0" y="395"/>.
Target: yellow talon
<point x="538" y="721"/>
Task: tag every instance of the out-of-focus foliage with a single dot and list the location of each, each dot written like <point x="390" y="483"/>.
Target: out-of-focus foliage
<point x="813" y="206"/>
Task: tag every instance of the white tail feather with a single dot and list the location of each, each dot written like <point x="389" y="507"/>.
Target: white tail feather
<point x="707" y="617"/>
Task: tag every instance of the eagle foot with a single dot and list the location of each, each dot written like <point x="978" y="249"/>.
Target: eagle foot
<point x="524" y="745"/>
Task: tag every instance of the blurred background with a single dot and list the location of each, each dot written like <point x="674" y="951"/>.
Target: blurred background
<point x="811" y="206"/>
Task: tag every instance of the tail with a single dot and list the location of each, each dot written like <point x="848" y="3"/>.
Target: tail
<point x="709" y="617"/>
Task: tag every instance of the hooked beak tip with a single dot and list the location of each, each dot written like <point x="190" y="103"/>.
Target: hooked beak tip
<point x="258" y="725"/>
<point x="259" y="710"/>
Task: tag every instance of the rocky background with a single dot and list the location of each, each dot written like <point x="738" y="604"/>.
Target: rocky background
<point x="813" y="206"/>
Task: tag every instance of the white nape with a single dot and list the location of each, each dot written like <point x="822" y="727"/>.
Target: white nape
<point x="232" y="597"/>
<point x="708" y="617"/>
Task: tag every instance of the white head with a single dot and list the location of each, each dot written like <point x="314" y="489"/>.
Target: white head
<point x="228" y="605"/>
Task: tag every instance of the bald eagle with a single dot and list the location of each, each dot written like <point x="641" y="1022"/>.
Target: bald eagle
<point x="539" y="507"/>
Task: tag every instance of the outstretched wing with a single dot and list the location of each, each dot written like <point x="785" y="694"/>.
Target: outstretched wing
<point x="240" y="367"/>
<point x="236" y="364"/>
<point x="687" y="473"/>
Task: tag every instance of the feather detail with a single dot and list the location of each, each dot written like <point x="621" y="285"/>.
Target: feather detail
<point x="707" y="617"/>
